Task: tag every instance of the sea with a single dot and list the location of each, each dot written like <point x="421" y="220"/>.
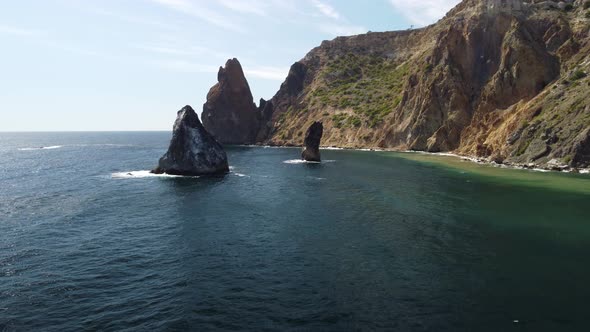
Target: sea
<point x="364" y="241"/>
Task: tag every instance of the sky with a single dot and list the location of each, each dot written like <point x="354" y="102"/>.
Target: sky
<point x="116" y="65"/>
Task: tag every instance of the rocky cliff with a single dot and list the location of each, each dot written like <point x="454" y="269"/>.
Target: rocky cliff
<point x="505" y="81"/>
<point x="230" y="114"/>
<point x="312" y="142"/>
<point x="192" y="151"/>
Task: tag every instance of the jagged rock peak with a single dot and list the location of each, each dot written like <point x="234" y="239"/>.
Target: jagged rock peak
<point x="232" y="76"/>
<point x="193" y="151"/>
<point x="313" y="137"/>
<point x="230" y="114"/>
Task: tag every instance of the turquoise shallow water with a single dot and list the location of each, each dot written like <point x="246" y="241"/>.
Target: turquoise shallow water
<point x="365" y="241"/>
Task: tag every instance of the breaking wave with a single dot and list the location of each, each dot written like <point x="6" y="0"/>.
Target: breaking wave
<point x="240" y="174"/>
<point x="299" y="161"/>
<point x="148" y="174"/>
<point x="53" y="147"/>
<point x="143" y="174"/>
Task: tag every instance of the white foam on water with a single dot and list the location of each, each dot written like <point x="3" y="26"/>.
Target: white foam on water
<point x="143" y="175"/>
<point x="240" y="174"/>
<point x="105" y="144"/>
<point x="585" y="171"/>
<point x="53" y="147"/>
<point x="331" y="148"/>
<point x="232" y="171"/>
<point x="299" y="161"/>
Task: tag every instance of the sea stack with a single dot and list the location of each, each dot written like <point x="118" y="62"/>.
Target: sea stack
<point x="230" y="114"/>
<point x="313" y="137"/>
<point x="193" y="151"/>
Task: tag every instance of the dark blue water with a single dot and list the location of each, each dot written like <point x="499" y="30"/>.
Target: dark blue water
<point x="367" y="241"/>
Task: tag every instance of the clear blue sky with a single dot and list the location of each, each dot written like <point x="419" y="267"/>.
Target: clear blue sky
<point x="131" y="64"/>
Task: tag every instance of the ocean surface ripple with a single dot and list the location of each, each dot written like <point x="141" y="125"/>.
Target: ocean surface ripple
<point x="364" y="241"/>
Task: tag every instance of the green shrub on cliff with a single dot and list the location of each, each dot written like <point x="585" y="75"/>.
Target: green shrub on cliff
<point x="354" y="121"/>
<point x="578" y="75"/>
<point x="339" y="120"/>
<point x="369" y="85"/>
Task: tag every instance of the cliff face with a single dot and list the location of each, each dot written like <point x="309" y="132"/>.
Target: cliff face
<point x="507" y="83"/>
<point x="229" y="113"/>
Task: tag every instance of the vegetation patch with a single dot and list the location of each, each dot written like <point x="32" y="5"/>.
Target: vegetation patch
<point x="523" y="148"/>
<point x="346" y="121"/>
<point x="339" y="120"/>
<point x="354" y="121"/>
<point x="371" y="86"/>
<point x="578" y="75"/>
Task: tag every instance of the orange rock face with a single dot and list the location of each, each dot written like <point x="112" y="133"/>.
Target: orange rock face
<point x="504" y="84"/>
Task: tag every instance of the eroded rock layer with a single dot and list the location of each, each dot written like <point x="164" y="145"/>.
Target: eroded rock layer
<point x="506" y="81"/>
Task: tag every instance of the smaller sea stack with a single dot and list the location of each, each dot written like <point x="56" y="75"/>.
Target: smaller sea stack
<point x="193" y="151"/>
<point x="313" y="137"/>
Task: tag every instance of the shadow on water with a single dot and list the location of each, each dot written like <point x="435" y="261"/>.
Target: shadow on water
<point x="314" y="165"/>
<point x="184" y="185"/>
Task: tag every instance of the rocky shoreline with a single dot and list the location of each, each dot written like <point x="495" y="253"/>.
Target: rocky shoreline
<point x="529" y="166"/>
<point x="482" y="161"/>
